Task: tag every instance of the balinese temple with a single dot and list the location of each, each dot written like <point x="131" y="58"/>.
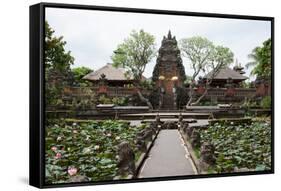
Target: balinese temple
<point x="169" y="71"/>
<point x="227" y="75"/>
<point x="115" y="77"/>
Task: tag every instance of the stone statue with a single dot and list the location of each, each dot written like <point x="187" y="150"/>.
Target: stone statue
<point x="170" y="125"/>
<point x="207" y="157"/>
<point x="157" y="119"/>
<point x="154" y="127"/>
<point x="195" y="138"/>
<point x="189" y="131"/>
<point x="140" y="143"/>
<point x="184" y="127"/>
<point x="126" y="159"/>
<point x="145" y="134"/>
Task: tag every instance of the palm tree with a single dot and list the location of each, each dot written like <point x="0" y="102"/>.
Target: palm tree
<point x="261" y="60"/>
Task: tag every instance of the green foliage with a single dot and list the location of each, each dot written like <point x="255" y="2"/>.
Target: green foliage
<point x="199" y="51"/>
<point x="247" y="84"/>
<point x="182" y="97"/>
<point x="266" y="102"/>
<point x="57" y="65"/>
<point x="56" y="57"/>
<point x="204" y="55"/>
<point x="134" y="53"/>
<point x="205" y="58"/>
<point x="147" y="84"/>
<point x="89" y="147"/>
<point x="261" y="57"/>
<point x="206" y="103"/>
<point x="248" y="103"/>
<point x="104" y="100"/>
<point x="121" y="101"/>
<point x="240" y="146"/>
<point x="79" y="73"/>
<point x="188" y="80"/>
<point x="222" y="56"/>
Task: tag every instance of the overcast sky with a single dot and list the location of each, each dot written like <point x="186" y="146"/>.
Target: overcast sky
<point x="92" y="36"/>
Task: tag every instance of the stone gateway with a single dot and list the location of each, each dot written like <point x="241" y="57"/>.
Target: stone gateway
<point x="168" y="73"/>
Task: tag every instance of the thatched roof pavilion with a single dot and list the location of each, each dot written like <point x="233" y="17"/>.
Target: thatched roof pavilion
<point x="114" y="76"/>
<point x="225" y="74"/>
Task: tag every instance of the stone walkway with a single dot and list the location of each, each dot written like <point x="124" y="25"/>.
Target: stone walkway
<point x="168" y="157"/>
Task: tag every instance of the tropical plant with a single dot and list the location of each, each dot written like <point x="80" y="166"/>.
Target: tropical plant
<point x="261" y="60"/>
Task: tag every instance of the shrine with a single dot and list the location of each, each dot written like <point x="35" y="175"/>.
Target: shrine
<point x="168" y="73"/>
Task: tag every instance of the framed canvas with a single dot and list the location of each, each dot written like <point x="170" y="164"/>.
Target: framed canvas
<point x="123" y="95"/>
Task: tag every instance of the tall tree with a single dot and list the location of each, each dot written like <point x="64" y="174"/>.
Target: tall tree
<point x="57" y="64"/>
<point x="261" y="60"/>
<point x="199" y="51"/>
<point x="204" y="57"/>
<point x="221" y="57"/>
<point x="133" y="54"/>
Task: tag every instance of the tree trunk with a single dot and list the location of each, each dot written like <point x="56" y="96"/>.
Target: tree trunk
<point x="200" y="98"/>
<point x="190" y="96"/>
<point x="142" y="98"/>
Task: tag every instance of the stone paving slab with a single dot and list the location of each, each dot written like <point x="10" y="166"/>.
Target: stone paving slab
<point x="167" y="114"/>
<point x="168" y="157"/>
<point x="200" y="122"/>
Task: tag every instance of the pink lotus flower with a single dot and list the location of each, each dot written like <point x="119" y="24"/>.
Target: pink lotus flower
<point x="53" y="148"/>
<point x="58" y="156"/>
<point x="72" y="171"/>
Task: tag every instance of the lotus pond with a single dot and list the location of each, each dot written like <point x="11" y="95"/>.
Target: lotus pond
<point x="85" y="148"/>
<point x="241" y="146"/>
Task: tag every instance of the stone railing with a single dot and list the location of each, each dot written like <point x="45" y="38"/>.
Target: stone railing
<point x="213" y="93"/>
<point x="238" y="92"/>
<point x="120" y="91"/>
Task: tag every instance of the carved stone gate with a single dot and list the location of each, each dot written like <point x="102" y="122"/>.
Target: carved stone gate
<point x="168" y="72"/>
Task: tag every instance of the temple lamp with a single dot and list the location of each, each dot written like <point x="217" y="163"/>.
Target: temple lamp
<point x="174" y="79"/>
<point x="161" y="78"/>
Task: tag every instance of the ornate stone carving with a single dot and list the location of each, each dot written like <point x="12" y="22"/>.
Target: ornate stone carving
<point x="195" y="138"/>
<point x="207" y="155"/>
<point x="140" y="143"/>
<point x="170" y="125"/>
<point x="154" y="127"/>
<point x="169" y="66"/>
<point x="126" y="159"/>
<point x="185" y="127"/>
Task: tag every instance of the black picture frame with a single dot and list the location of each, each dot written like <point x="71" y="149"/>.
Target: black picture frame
<point x="37" y="85"/>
